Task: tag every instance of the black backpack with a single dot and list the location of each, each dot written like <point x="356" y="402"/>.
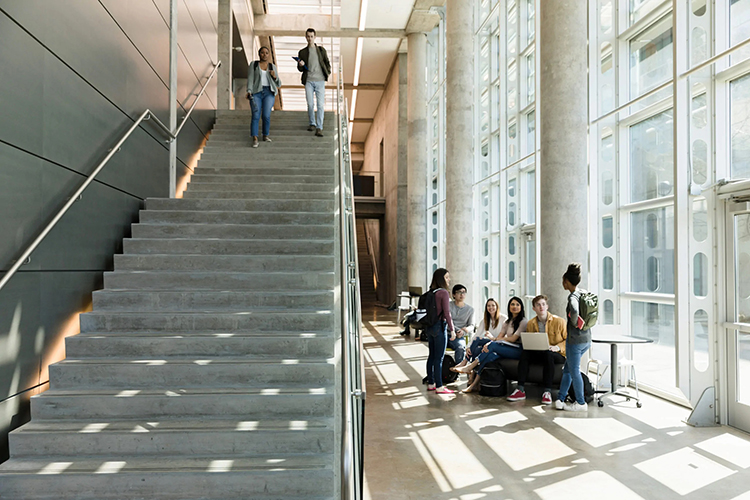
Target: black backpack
<point x="588" y="390"/>
<point x="426" y="313"/>
<point x="448" y="376"/>
<point x="493" y="382"/>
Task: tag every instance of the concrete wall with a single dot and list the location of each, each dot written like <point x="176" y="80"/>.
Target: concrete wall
<point x="387" y="126"/>
<point x="75" y="76"/>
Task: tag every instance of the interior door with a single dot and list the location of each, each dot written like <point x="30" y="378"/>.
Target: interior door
<point x="738" y="318"/>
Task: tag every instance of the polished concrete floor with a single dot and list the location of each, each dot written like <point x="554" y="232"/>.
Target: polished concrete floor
<point x="467" y="447"/>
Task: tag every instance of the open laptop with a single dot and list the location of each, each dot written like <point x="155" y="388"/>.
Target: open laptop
<point x="533" y="341"/>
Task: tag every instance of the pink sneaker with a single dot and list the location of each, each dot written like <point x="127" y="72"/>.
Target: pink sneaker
<point x="430" y="387"/>
<point x="547" y="398"/>
<point x="517" y="396"/>
<point x="444" y="390"/>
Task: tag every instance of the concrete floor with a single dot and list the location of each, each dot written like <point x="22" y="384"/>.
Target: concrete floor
<point x="467" y="447"/>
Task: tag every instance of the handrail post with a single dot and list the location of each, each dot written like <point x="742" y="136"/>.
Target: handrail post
<point x="173" y="97"/>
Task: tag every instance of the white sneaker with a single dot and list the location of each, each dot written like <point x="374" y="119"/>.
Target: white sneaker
<point x="576" y="407"/>
<point x="559" y="405"/>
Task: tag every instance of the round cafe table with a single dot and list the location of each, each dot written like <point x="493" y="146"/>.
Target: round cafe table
<point x="615" y="340"/>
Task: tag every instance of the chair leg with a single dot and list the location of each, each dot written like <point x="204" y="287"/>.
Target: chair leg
<point x="398" y="318"/>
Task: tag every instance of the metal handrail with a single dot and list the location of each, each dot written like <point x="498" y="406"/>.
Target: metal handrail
<point x="145" y="116"/>
<point x="373" y="260"/>
<point x="352" y="369"/>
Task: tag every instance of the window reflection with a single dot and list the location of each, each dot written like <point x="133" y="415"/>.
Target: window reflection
<point x="651" y="168"/>
<point x="740" y="127"/>
<point x="652" y="250"/>
<point x="651" y="57"/>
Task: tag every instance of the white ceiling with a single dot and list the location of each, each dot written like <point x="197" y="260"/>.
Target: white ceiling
<point x="378" y="54"/>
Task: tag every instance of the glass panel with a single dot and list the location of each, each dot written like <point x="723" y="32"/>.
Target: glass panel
<point x="530" y="132"/>
<point x="531" y="196"/>
<point x="639" y="9"/>
<point x="512" y="244"/>
<point x="512" y="214"/>
<point x="530" y="20"/>
<point x="743" y="367"/>
<point x="698" y="7"/>
<point x="699" y="111"/>
<point x="434" y="218"/>
<point x="699" y="46"/>
<point x="434" y="235"/>
<point x="609" y="312"/>
<point x="434" y="253"/>
<point x="512" y="188"/>
<point x="512" y="134"/>
<point x="605" y="16"/>
<point x="651" y="57"/>
<point x="739" y="27"/>
<point x="700" y="162"/>
<point x="700" y="220"/>
<point x="512" y="27"/>
<point x="486" y="272"/>
<point x="607" y="188"/>
<point x="700" y="275"/>
<point x="512" y="271"/>
<point x="531" y="267"/>
<point x="486" y="246"/>
<point x="530" y="78"/>
<point x="742" y="265"/>
<point x="608" y="273"/>
<point x="651" y="170"/>
<point x="740" y="127"/>
<point x="607" y="232"/>
<point x="700" y="340"/>
<point x="656" y="362"/>
<point x="652" y="250"/>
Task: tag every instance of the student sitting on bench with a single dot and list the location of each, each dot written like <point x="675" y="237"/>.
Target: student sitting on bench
<point x="556" y="329"/>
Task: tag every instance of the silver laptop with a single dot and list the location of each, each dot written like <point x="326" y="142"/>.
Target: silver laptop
<point x="533" y="341"/>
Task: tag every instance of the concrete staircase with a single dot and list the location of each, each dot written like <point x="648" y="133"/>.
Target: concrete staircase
<point x="206" y="368"/>
<point x="368" y="294"/>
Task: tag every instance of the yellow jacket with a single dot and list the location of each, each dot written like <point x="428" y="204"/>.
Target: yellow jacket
<point x="556" y="328"/>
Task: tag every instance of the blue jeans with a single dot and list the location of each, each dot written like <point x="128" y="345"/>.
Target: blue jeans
<point x="262" y="104"/>
<point x="572" y="371"/>
<point x="437" y="339"/>
<point x="316" y="91"/>
<point x="459" y="348"/>
<point x="476" y="347"/>
<point x="495" y="351"/>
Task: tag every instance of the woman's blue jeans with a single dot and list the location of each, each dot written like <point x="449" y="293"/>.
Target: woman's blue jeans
<point x="437" y="340"/>
<point x="495" y="351"/>
<point x="572" y="371"/>
<point x="476" y="347"/>
<point x="262" y="104"/>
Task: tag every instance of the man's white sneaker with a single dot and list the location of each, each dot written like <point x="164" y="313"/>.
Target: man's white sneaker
<point x="559" y="405"/>
<point x="576" y="407"/>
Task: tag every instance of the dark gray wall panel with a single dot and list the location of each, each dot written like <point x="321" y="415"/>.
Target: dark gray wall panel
<point x="20" y="323"/>
<point x="14" y="412"/>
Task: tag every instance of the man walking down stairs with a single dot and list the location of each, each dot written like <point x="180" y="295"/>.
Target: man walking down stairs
<point x="206" y="368"/>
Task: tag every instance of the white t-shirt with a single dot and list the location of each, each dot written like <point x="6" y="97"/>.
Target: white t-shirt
<point x="264" y="78"/>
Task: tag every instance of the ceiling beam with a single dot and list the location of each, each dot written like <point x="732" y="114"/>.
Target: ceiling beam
<point x="324" y="25"/>
<point x="258" y="6"/>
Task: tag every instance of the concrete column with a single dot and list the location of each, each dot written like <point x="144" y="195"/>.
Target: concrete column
<point x="402" y="195"/>
<point x="459" y="158"/>
<point x="563" y="168"/>
<point x="417" y="159"/>
<point x="224" y="75"/>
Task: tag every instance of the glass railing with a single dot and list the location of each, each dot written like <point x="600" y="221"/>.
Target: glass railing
<point x="353" y="380"/>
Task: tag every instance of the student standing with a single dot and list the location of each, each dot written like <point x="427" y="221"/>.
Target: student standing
<point x="577" y="343"/>
<point x="313" y="62"/>
<point x="437" y="334"/>
<point x="262" y="84"/>
<point x="554" y="327"/>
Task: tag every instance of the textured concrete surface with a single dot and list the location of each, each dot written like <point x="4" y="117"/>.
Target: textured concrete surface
<point x="420" y="445"/>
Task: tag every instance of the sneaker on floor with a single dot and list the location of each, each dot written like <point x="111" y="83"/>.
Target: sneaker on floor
<point x="319" y="132"/>
<point x="444" y="390"/>
<point x="559" y="405"/>
<point x="547" y="398"/>
<point x="266" y="139"/>
<point x="255" y="142"/>
<point x="311" y="128"/>
<point x="576" y="407"/>
<point x="517" y="396"/>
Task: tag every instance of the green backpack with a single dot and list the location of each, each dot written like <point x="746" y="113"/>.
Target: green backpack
<point x="588" y="308"/>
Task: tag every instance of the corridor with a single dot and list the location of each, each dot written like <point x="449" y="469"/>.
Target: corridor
<point x="467" y="447"/>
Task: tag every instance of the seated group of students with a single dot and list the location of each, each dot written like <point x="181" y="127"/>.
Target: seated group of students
<point x="498" y="336"/>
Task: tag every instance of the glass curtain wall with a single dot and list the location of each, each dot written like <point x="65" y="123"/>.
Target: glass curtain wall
<point x="505" y="177"/>
<point x="632" y="156"/>
<point x="436" y="134"/>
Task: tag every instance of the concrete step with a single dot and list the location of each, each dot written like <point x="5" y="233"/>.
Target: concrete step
<point x="189" y="403"/>
<point x="204" y="300"/>
<point x="181" y="373"/>
<point x="284" y="148"/>
<point x="270" y="157"/>
<point x="248" y="320"/>
<point x="240" y="195"/>
<point x="242" y="137"/>
<point x="223" y="263"/>
<point x="266" y="187"/>
<point x="175" y="280"/>
<point x="279" y="130"/>
<point x="141" y="439"/>
<point x="265" y="165"/>
<point x="159" y="345"/>
<point x="209" y="477"/>
<point x="234" y="231"/>
<point x="256" y="170"/>
<point x="328" y="180"/>
<point x="213" y="246"/>
<point x="269" y="205"/>
<point x="229" y="217"/>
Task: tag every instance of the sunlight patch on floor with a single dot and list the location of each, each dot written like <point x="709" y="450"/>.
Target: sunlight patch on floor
<point x="593" y="485"/>
<point x="597" y="431"/>
<point x="457" y="462"/>
<point x="684" y="471"/>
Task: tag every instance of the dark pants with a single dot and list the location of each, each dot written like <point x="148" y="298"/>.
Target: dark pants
<point x="437" y="339"/>
<point x="495" y="351"/>
<point x="547" y="359"/>
<point x="476" y="347"/>
<point x="459" y="348"/>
